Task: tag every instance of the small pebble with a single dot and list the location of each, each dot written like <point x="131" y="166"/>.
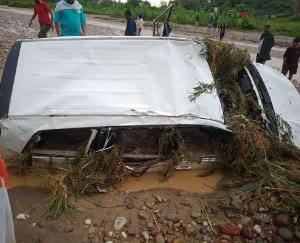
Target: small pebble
<point x="87" y="221"/>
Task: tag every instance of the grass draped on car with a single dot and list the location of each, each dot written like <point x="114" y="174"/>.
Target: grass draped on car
<point x="251" y="152"/>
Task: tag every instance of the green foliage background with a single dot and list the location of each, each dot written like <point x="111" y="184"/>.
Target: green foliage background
<point x="284" y="17"/>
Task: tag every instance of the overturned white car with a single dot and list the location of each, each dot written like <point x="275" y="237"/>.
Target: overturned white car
<point x="59" y="95"/>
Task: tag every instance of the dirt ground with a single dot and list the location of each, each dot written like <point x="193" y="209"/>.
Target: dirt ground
<point x="214" y="212"/>
<point x="208" y="209"/>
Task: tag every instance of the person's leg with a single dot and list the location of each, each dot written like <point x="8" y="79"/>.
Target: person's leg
<point x="284" y="70"/>
<point x="260" y="60"/>
<point x="43" y="31"/>
<point x="290" y="75"/>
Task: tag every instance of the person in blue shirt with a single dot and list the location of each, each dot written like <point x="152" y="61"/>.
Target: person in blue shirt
<point x="69" y="18"/>
<point x="131" y="25"/>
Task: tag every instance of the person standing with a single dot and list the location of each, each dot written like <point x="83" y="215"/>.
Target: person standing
<point x="291" y="59"/>
<point x="69" y="18"/>
<point x="222" y="30"/>
<point x="7" y="232"/>
<point x="265" y="45"/>
<point x="43" y="11"/>
<point x="140" y="25"/>
<point x="131" y="25"/>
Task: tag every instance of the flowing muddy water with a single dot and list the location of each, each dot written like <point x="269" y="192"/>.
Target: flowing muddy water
<point x="180" y="180"/>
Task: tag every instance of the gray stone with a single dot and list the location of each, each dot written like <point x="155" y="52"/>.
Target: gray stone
<point x="263" y="235"/>
<point x="262" y="218"/>
<point x="297" y="234"/>
<point x="195" y="214"/>
<point x="119" y="223"/>
<point x="285" y="233"/>
<point x="146" y="236"/>
<point x="91" y="232"/>
<point x="159" y="239"/>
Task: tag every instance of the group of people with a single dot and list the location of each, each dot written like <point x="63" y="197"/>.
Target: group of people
<point x="69" y="19"/>
<point x="290" y="57"/>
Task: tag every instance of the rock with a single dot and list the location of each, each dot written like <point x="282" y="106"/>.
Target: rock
<point x="33" y="225"/>
<point x="149" y="204"/>
<point x="159" y="199"/>
<point x="263" y="235"/>
<point x="297" y="235"/>
<point x="109" y="241"/>
<point x="131" y="230"/>
<point x="146" y="236"/>
<point x="22" y="216"/>
<point x="263" y="210"/>
<point x="285" y="233"/>
<point x="262" y="218"/>
<point x="185" y="202"/>
<point x="190" y="229"/>
<point x="282" y="220"/>
<point x="225" y="237"/>
<point x="124" y="235"/>
<point x="195" y="214"/>
<point x="237" y="203"/>
<point x="206" y="238"/>
<point x="68" y="228"/>
<point x="245" y="220"/>
<point x="256" y="228"/>
<point x="154" y="231"/>
<point x="230" y="213"/>
<point x="143" y="214"/>
<point x="277" y="239"/>
<point x="229" y="229"/>
<point x="87" y="221"/>
<point x="91" y="232"/>
<point x="119" y="223"/>
<point x="177" y="241"/>
<point x="130" y="205"/>
<point x="247" y="233"/>
<point x="205" y="224"/>
<point x="159" y="239"/>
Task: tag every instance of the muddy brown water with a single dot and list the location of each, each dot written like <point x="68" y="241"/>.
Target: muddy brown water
<point x="180" y="180"/>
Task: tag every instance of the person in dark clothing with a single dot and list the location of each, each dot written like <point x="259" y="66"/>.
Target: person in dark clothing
<point x="291" y="59"/>
<point x="265" y="45"/>
<point x="222" y="30"/>
<point x="131" y="25"/>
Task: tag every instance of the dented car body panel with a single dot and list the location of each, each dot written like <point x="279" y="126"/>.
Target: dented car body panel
<point x="103" y="82"/>
<point x="95" y="82"/>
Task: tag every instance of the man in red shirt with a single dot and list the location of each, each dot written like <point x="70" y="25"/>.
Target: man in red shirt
<point x="43" y="11"/>
<point x="291" y="59"/>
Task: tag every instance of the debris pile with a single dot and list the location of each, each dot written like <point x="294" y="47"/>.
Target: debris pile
<point x="254" y="151"/>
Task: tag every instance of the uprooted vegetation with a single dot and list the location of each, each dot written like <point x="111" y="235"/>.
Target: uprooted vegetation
<point x="255" y="152"/>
